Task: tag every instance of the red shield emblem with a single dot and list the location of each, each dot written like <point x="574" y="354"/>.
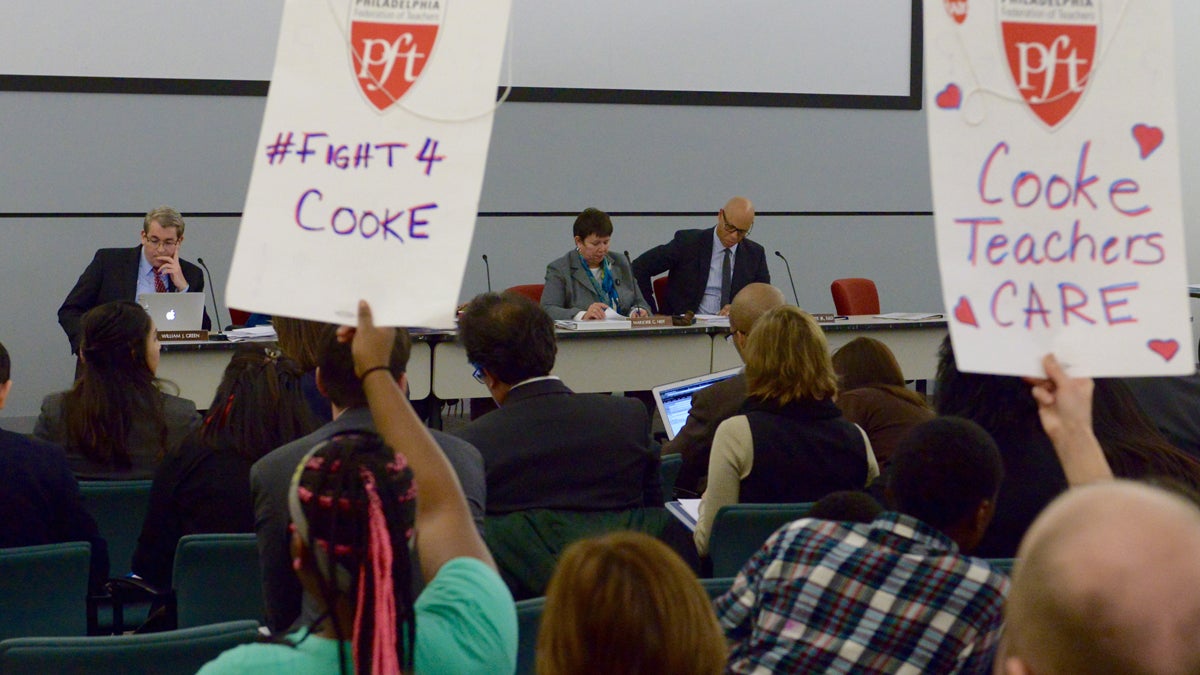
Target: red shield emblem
<point x="1051" y="51"/>
<point x="957" y="9"/>
<point x="389" y="47"/>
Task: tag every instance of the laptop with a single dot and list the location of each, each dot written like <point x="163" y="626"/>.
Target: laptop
<point x="674" y="400"/>
<point x="174" y="311"/>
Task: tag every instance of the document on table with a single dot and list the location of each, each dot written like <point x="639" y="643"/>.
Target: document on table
<point x="264" y="332"/>
<point x="909" y="316"/>
<point x="686" y="510"/>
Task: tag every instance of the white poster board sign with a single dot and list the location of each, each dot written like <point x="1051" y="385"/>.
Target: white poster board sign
<point x="1054" y="151"/>
<point x="370" y="161"/>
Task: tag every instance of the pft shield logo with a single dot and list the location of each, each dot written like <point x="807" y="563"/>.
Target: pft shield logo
<point x="957" y="9"/>
<point x="390" y="44"/>
<point x="1051" y="51"/>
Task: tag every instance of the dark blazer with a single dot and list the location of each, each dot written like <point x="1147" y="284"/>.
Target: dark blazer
<point x="569" y="291"/>
<point x="41" y="502"/>
<point x="687" y="258"/>
<point x="710" y="406"/>
<point x="550" y="448"/>
<point x="270" y="478"/>
<point x="112" y="275"/>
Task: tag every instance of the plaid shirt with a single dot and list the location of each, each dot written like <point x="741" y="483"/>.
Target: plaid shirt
<point x="892" y="596"/>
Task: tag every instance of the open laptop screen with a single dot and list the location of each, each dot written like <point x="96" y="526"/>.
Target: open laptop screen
<point x="674" y="399"/>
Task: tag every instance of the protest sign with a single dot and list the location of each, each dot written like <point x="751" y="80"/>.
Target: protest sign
<point x="370" y="161"/>
<point x="1054" y="152"/>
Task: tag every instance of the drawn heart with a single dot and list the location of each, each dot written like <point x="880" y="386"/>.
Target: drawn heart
<point x="1148" y="138"/>
<point x="1164" y="348"/>
<point x="964" y="313"/>
<point x="950" y="97"/>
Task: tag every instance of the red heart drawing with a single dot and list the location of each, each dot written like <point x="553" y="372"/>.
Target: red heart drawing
<point x="964" y="313"/>
<point x="1148" y="138"/>
<point x="949" y="98"/>
<point x="1164" y="348"/>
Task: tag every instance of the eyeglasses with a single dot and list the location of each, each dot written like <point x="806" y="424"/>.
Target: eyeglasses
<point x="478" y="374"/>
<point x="156" y="243"/>
<point x="733" y="229"/>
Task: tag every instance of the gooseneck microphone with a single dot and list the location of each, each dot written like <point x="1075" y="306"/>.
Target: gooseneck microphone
<point x="790" y="279"/>
<point x="488" y="269"/>
<point x="212" y="292"/>
<point x="630" y="260"/>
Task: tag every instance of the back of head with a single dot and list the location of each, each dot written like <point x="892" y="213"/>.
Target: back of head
<point x="257" y="380"/>
<point x="592" y="221"/>
<point x="864" y="362"/>
<point x="1133" y="446"/>
<point x="166" y="217"/>
<point x="626" y="603"/>
<point x="998" y="403"/>
<point x="1105" y="582"/>
<point x="509" y="335"/>
<point x="300" y="339"/>
<point x="943" y="469"/>
<point x="352" y="502"/>
<point x="751" y="303"/>
<point x="787" y="358"/>
<point x="853" y="506"/>
<point x="335" y="363"/>
<point x="5" y="365"/>
<point x="115" y="386"/>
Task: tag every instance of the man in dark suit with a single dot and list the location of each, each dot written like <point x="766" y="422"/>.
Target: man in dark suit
<point x="718" y="402"/>
<point x="286" y="604"/>
<point x="125" y="273"/>
<point x="547" y="447"/>
<point x="39" y="497"/>
<point x="707" y="267"/>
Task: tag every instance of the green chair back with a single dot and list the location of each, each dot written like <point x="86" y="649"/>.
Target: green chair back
<point x="529" y="619"/>
<point x="44" y="590"/>
<point x="176" y="651"/>
<point x="739" y="530"/>
<point x="119" y="507"/>
<point x="1003" y="564"/>
<point x="668" y="471"/>
<point x="217" y="578"/>
<point x="716" y="587"/>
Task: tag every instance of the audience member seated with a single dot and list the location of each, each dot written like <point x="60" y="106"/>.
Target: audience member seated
<point x="115" y="423"/>
<point x="560" y="465"/>
<point x="286" y="603"/>
<point x="871" y="393"/>
<point x="205" y="485"/>
<point x="625" y="603"/>
<point x="39" y="497"/>
<point x="1106" y="575"/>
<point x="588" y="282"/>
<point x="716" y="403"/>
<point x="300" y="339"/>
<point x="853" y="506"/>
<point x="354" y="505"/>
<point x="898" y="594"/>
<point x="791" y="443"/>
<point x="1033" y="474"/>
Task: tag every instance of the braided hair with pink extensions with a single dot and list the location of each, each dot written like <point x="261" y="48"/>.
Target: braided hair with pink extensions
<point x="352" y="503"/>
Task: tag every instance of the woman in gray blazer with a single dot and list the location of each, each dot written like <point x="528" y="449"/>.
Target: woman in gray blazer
<point x="585" y="283"/>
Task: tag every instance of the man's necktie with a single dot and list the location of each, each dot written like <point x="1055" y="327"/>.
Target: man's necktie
<point x="160" y="285"/>
<point x="726" y="277"/>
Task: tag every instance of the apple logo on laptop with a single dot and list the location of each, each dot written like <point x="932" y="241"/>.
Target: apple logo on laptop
<point x="171" y="315"/>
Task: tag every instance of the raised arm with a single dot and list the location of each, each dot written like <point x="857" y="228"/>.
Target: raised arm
<point x="444" y="528"/>
<point x="1065" y="408"/>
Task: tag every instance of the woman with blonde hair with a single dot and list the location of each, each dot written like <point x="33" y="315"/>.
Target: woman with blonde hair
<point x="626" y="603"/>
<point x="872" y="394"/>
<point x="791" y="443"/>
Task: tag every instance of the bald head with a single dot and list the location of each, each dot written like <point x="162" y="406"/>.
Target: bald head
<point x="752" y="302"/>
<point x="1108" y="580"/>
<point x="734" y="221"/>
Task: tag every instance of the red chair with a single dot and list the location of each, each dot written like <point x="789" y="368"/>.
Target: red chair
<point x="531" y="291"/>
<point x="238" y="316"/>
<point x="660" y="291"/>
<point x="855" y="296"/>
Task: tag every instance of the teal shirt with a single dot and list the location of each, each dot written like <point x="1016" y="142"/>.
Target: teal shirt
<point x="466" y="623"/>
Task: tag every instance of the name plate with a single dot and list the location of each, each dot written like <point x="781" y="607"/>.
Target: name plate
<point x="649" y="321"/>
<point x="182" y="335"/>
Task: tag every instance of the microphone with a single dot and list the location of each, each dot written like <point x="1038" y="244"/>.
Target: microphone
<point x="488" y="269"/>
<point x="790" y="279"/>
<point x="628" y="258"/>
<point x="213" y="293"/>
